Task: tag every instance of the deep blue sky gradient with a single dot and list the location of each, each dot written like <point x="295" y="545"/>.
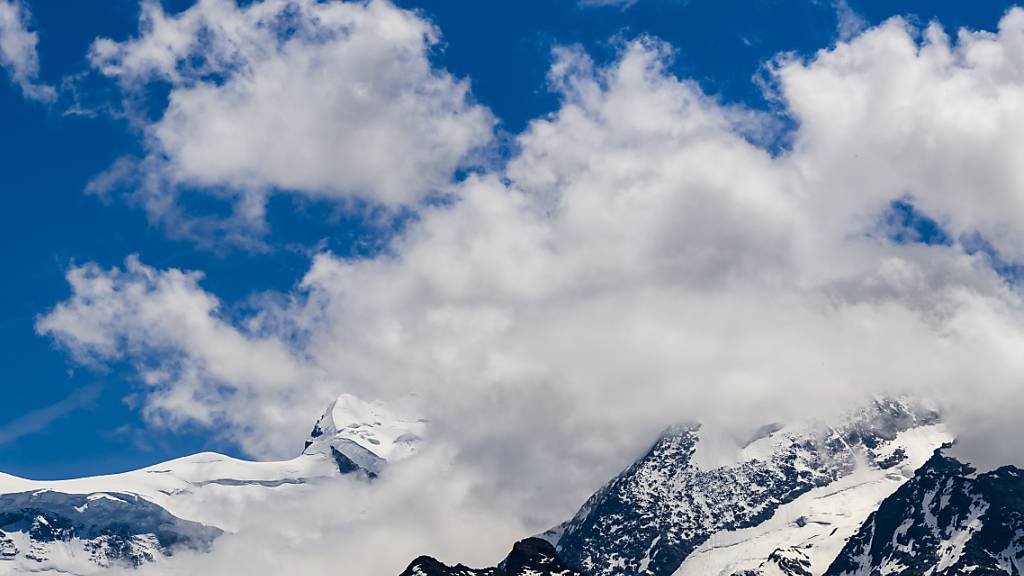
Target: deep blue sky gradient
<point x="48" y="222"/>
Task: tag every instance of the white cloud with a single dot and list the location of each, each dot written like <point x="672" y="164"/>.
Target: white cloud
<point x="334" y="100"/>
<point x="887" y="115"/>
<point x="196" y="366"/>
<point x="848" y="22"/>
<point x="18" y="51"/>
<point x="638" y="262"/>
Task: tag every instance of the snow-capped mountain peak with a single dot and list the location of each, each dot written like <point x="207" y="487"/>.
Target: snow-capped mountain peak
<point x="361" y="435"/>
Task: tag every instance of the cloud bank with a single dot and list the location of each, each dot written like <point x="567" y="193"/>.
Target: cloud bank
<point x="638" y="261"/>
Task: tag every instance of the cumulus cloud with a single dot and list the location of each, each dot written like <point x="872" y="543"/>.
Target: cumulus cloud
<point x="931" y="117"/>
<point x="18" y="51"/>
<point x="641" y="261"/>
<point x="335" y="100"/>
<point x="196" y="366"/>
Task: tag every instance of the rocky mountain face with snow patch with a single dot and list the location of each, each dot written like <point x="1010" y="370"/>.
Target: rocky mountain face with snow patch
<point x="530" y="557"/>
<point x="946" y="521"/>
<point x="664" y="507"/>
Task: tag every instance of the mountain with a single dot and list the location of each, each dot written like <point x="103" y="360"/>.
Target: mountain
<point x="530" y="557"/>
<point x="84" y="532"/>
<point x="786" y="504"/>
<point x="84" y="525"/>
<point x="948" y="520"/>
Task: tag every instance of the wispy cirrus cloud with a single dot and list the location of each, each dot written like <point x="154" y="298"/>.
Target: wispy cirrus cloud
<point x="608" y="3"/>
<point x="42" y="418"/>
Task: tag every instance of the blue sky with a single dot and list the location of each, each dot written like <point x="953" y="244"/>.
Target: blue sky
<point x="63" y="419"/>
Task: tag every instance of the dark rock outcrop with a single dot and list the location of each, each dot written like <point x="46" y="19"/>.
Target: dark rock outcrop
<point x="530" y="557"/>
